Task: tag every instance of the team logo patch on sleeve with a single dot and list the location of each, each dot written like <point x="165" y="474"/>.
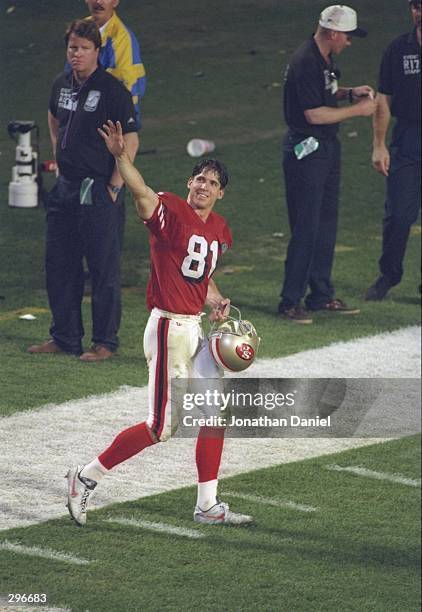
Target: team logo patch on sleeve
<point x="92" y="100"/>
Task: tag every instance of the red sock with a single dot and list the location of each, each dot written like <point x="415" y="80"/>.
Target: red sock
<point x="209" y="447"/>
<point x="129" y="442"/>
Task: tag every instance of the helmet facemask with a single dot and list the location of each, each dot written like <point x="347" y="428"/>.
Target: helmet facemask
<point x="233" y="342"/>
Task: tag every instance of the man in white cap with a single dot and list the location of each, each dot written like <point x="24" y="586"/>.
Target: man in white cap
<point x="399" y="96"/>
<point x="311" y="162"/>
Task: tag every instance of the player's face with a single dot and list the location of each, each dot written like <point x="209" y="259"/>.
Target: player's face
<point x="204" y="190"/>
<point x="82" y="55"/>
<point x="101" y="10"/>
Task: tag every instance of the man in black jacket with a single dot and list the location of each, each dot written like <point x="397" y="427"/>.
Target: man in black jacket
<point x="83" y="206"/>
<point x="312" y="161"/>
<point x="399" y="95"/>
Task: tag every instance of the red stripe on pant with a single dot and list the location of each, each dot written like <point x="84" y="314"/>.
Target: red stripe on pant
<point x="161" y="377"/>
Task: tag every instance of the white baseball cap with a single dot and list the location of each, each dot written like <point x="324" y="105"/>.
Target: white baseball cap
<point x="342" y="19"/>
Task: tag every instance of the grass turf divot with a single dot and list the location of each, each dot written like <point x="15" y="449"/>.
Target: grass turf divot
<point x="363" y="471"/>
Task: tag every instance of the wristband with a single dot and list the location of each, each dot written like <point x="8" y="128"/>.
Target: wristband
<point x="351" y="95"/>
<point x="115" y="189"/>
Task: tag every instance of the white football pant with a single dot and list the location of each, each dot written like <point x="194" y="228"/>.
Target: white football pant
<point x="175" y="347"/>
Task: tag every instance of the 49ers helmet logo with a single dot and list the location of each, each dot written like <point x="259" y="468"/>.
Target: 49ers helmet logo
<point x="245" y="351"/>
<point x="233" y="342"/>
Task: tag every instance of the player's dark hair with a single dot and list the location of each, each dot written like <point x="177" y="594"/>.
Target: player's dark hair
<point x="212" y="164"/>
<point x="85" y="28"/>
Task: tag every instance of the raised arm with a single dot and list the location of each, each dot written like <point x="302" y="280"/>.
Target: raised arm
<point x="146" y="200"/>
<point x="131" y="146"/>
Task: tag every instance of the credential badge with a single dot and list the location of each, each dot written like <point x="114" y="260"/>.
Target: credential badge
<point x="67" y="99"/>
<point x="92" y="100"/>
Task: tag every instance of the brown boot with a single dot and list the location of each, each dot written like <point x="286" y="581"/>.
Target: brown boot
<point x="49" y="346"/>
<point x="97" y="352"/>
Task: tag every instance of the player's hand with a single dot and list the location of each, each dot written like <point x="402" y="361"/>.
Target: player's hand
<point x="221" y="311"/>
<point x="113" y="137"/>
<point x="381" y="159"/>
<point x="363" y="91"/>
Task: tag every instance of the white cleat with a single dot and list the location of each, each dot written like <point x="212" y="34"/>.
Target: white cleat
<point x="219" y="514"/>
<point x="80" y="489"/>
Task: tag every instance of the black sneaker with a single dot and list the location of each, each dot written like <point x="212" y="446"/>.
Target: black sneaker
<point x="295" y="314"/>
<point x="378" y="290"/>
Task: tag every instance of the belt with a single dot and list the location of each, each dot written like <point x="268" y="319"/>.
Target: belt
<point x="157" y="313"/>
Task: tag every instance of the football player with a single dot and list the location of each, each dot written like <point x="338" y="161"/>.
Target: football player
<point x="186" y="239"/>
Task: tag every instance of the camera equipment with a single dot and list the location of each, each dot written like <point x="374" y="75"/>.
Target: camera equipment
<point x="23" y="188"/>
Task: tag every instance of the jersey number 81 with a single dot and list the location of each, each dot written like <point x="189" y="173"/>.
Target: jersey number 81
<point x="194" y="263"/>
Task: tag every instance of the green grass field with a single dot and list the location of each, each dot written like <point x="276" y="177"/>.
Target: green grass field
<point x="356" y="551"/>
<point x="215" y="71"/>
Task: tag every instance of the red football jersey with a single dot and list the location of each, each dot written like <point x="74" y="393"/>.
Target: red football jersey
<point x="184" y="254"/>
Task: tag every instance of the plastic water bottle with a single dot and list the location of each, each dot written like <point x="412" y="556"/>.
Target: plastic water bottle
<point x="305" y="147"/>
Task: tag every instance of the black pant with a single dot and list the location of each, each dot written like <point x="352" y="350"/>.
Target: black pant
<point x="403" y="200"/>
<point x="312" y="192"/>
<point x="75" y="231"/>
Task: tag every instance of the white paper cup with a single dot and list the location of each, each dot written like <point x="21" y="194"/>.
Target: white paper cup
<point x="197" y="147"/>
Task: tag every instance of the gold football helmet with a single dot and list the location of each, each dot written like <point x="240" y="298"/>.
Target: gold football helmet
<point x="233" y="342"/>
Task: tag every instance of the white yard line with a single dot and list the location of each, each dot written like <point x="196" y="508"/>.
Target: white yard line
<point x="270" y="501"/>
<point x="362" y="471"/>
<point x="158" y="527"/>
<point x="45" y="553"/>
<point x="38" y="446"/>
<point x="389" y="355"/>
